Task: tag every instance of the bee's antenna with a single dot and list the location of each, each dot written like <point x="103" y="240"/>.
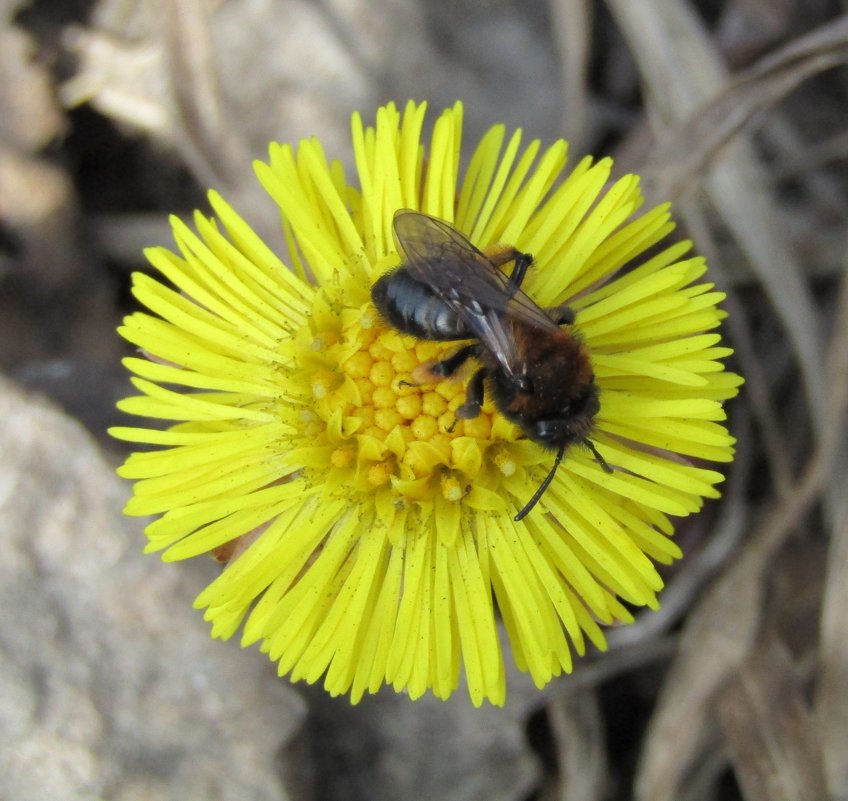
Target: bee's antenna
<point x="600" y="459"/>
<point x="544" y="485"/>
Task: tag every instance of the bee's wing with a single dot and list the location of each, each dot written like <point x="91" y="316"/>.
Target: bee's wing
<point x="467" y="281"/>
<point x="441" y="257"/>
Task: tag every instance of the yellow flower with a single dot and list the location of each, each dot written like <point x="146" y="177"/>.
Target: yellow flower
<point x="366" y="540"/>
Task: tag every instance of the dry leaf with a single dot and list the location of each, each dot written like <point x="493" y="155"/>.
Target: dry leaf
<point x="768" y="729"/>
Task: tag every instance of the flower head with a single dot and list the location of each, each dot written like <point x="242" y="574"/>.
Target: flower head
<point x="368" y="534"/>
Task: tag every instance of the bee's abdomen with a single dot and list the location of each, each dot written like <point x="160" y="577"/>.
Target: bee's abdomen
<point x="412" y="307"/>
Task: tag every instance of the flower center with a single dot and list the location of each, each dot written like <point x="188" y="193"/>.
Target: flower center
<point x="380" y="427"/>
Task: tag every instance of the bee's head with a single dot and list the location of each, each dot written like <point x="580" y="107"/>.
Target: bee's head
<point x="571" y="424"/>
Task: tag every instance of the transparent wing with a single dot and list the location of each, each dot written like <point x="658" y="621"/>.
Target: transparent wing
<point x="466" y="280"/>
<point x="440" y="256"/>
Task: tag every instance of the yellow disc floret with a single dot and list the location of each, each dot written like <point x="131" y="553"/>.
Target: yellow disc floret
<point x="399" y="429"/>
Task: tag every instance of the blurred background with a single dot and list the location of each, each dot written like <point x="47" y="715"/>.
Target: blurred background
<point x="116" y="113"/>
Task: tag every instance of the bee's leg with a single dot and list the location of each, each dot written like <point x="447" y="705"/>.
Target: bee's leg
<point x="562" y="315"/>
<point x="519" y="270"/>
<point x="433" y="372"/>
<point x="522" y="262"/>
<point x="473" y="396"/>
<point x="447" y="367"/>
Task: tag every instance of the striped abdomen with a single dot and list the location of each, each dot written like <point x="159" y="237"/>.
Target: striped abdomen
<point x="413" y="307"/>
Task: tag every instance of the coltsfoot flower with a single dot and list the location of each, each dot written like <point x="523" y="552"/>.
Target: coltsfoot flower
<point x="368" y="535"/>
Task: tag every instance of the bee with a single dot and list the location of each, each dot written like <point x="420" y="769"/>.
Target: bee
<point x="537" y="372"/>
